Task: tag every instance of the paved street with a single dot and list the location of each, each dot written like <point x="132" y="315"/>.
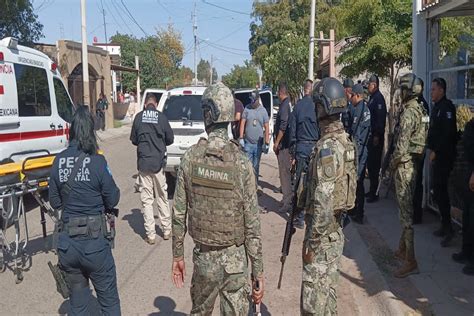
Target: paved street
<point x="366" y="287"/>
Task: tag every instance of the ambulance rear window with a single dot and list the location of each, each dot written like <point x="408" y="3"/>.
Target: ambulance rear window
<point x="65" y="106"/>
<point x="33" y="91"/>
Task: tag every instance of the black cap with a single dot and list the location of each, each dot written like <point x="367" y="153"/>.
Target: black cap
<point x="375" y="79"/>
<point x="348" y="83"/>
<point x="358" y="89"/>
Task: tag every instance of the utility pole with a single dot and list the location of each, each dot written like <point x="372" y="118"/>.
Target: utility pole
<point x="195" y="43"/>
<point x="105" y="26"/>
<point x="210" y="70"/>
<point x="311" y="41"/>
<point x="85" y="61"/>
<point x="137" y="67"/>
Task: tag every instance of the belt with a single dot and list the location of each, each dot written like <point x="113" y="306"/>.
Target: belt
<point x="207" y="248"/>
<point x="306" y="142"/>
<point x="84" y="226"/>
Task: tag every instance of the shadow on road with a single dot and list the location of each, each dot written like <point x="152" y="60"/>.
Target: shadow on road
<point x="165" y="306"/>
<point x="135" y="220"/>
<point x="270" y="204"/>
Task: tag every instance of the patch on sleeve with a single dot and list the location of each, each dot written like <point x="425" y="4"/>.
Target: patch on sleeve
<point x="328" y="167"/>
<point x="449" y="115"/>
<point x="380" y="106"/>
<point x="212" y="177"/>
<point x="108" y="169"/>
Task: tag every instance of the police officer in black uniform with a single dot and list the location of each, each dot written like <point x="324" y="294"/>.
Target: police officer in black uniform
<point x="378" y="116"/>
<point x="84" y="252"/>
<point x="442" y="139"/>
<point x="360" y="134"/>
<point x="346" y="116"/>
<point x="304" y="133"/>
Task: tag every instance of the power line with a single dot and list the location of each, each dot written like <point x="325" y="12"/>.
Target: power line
<point x="133" y="19"/>
<point x="121" y="17"/>
<point x="226" y="50"/>
<point x="225" y="9"/>
<point x="113" y="16"/>
<point x="227" y="47"/>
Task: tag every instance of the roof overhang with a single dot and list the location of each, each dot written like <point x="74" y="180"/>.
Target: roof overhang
<point x="447" y="8"/>
<point x="123" y="68"/>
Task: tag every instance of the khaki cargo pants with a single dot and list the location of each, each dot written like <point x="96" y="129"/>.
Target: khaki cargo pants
<point x="153" y="186"/>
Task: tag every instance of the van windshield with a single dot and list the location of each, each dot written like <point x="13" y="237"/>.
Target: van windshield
<point x="183" y="108"/>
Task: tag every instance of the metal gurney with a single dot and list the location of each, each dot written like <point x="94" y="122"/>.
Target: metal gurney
<point x="16" y="180"/>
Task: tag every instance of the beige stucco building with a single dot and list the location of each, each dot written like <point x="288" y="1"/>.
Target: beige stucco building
<point x="68" y="56"/>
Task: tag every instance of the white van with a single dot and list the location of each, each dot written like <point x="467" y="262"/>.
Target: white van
<point x="35" y="107"/>
<point x="182" y="107"/>
<point x="158" y="93"/>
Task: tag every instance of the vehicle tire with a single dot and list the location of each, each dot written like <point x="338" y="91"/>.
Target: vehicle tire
<point x="171" y="182"/>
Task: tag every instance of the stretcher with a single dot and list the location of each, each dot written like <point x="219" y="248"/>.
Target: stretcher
<point x="30" y="176"/>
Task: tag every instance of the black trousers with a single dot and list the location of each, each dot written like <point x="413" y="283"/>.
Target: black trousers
<point x="441" y="171"/>
<point x="468" y="225"/>
<point x="374" y="161"/>
<point x="418" y="194"/>
<point x="360" y="198"/>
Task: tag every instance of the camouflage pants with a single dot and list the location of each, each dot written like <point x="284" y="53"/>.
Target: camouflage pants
<point x="320" y="275"/>
<point x="405" y="179"/>
<point x="224" y="273"/>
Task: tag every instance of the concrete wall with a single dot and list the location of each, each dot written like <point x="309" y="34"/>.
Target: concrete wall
<point x="68" y="55"/>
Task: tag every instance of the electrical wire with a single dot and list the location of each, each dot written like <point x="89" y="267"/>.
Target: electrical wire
<point x="225" y="9"/>
<point x="133" y="19"/>
<point x="113" y="17"/>
<point x="121" y="17"/>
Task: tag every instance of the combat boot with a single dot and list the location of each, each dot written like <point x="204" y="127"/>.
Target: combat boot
<point x="400" y="253"/>
<point x="461" y="257"/>
<point x="410" y="266"/>
<point x="469" y="268"/>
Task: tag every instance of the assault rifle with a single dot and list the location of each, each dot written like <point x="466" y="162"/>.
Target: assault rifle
<point x="290" y="229"/>
<point x="388" y="156"/>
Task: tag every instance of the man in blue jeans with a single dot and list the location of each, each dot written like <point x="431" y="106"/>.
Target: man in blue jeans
<point x="254" y="123"/>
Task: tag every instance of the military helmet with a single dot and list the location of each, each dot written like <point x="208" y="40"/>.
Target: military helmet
<point x="410" y="87"/>
<point x="329" y="93"/>
<point x="217" y="104"/>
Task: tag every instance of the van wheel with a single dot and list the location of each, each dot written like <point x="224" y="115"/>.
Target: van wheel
<point x="171" y="182"/>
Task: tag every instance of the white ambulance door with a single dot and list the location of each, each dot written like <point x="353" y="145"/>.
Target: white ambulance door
<point x="9" y="119"/>
<point x="62" y="114"/>
<point x="38" y="125"/>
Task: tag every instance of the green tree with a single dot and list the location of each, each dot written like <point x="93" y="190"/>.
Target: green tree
<point x="383" y="38"/>
<point x="183" y="77"/>
<point x="245" y="76"/>
<point x="18" y="20"/>
<point x="454" y="34"/>
<point x="203" y="70"/>
<point x="279" y="41"/>
<point x="160" y="58"/>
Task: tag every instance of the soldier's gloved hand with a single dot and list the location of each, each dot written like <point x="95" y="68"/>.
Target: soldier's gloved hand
<point x="242" y="142"/>
<point x="178" y="273"/>
<point x="265" y="148"/>
<point x="257" y="293"/>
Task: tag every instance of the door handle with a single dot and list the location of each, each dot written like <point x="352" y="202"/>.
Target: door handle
<point x="60" y="126"/>
<point x="52" y="126"/>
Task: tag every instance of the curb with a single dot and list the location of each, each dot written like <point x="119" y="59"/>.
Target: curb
<point x="382" y="300"/>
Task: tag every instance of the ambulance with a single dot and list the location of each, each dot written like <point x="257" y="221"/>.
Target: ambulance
<point x="35" y="107"/>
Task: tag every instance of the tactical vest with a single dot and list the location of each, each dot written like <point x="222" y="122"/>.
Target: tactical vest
<point x="418" y="139"/>
<point x="215" y="205"/>
<point x="329" y="166"/>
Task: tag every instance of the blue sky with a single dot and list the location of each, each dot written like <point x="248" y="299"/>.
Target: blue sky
<point x="223" y="25"/>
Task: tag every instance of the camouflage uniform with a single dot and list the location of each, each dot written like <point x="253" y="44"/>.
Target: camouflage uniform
<point x="223" y="220"/>
<point x="325" y="198"/>
<point x="409" y="148"/>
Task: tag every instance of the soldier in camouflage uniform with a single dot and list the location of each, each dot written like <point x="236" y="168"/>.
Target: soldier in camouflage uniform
<point x="410" y="144"/>
<point x="329" y="192"/>
<point x="216" y="192"/>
